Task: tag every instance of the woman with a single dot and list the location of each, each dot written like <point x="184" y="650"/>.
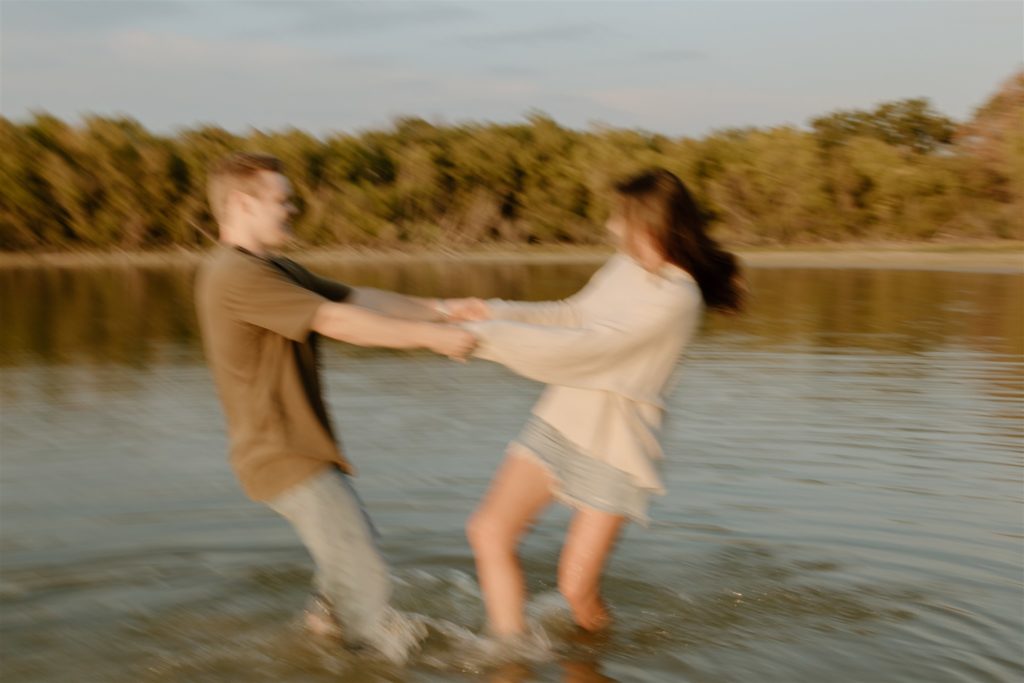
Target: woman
<point x="607" y="354"/>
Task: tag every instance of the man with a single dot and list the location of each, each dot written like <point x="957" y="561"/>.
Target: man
<point x="260" y="315"/>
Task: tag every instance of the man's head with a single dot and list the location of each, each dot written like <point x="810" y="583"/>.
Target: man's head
<point x="251" y="200"/>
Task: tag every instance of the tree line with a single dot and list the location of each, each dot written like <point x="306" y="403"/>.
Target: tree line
<point x="900" y="170"/>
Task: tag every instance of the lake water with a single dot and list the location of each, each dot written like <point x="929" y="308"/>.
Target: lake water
<point x="844" y="472"/>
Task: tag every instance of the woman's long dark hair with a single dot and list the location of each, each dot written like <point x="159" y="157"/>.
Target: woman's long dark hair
<point x="658" y="203"/>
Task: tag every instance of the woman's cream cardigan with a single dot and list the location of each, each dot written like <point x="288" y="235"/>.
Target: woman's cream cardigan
<point x="607" y="353"/>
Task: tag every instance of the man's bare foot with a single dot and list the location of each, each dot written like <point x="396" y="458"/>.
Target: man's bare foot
<point x="320" y="620"/>
<point x="398" y="635"/>
<point x="321" y="626"/>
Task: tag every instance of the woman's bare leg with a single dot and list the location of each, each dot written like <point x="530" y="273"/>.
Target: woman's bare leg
<point x="589" y="542"/>
<point x="520" y="489"/>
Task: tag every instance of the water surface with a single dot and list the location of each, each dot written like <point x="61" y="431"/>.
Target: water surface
<point x="844" y="473"/>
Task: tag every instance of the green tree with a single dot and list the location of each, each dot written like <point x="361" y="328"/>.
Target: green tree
<point x="911" y="124"/>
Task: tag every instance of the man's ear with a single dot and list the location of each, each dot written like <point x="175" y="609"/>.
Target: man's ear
<point x="241" y="202"/>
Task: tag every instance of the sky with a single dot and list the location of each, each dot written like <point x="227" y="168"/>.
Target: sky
<point x="677" y="68"/>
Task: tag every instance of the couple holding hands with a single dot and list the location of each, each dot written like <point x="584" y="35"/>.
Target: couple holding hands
<point x="606" y="355"/>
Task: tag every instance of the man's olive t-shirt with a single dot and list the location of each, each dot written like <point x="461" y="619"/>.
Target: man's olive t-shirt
<point x="255" y="315"/>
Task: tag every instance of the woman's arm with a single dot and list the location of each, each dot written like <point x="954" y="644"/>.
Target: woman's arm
<point x="564" y="313"/>
<point x="571" y="356"/>
<point x="561" y="313"/>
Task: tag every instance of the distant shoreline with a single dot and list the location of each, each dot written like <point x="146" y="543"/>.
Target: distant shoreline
<point x="1006" y="256"/>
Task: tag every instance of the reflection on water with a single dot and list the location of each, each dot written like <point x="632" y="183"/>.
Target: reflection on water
<point x="844" y="466"/>
<point x="130" y="315"/>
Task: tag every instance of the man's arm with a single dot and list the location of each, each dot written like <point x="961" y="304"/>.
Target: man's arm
<point x="396" y="305"/>
<point x="356" y="325"/>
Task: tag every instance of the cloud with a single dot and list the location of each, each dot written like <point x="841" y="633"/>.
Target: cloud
<point x="702" y="108"/>
<point x="322" y="17"/>
<point x="85" y="15"/>
<point x="534" y="36"/>
<point x="309" y="64"/>
<point x="674" y="55"/>
<point x="508" y="70"/>
<point x="168" y="80"/>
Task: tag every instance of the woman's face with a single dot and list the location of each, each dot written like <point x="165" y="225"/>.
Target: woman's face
<point x="616" y="227"/>
<point x="635" y="243"/>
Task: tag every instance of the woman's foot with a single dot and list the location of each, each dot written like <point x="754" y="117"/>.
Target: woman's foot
<point x="592" y="617"/>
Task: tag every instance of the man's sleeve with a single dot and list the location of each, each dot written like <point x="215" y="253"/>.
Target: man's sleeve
<point x="325" y="287"/>
<point x="330" y="289"/>
<point x="265" y="297"/>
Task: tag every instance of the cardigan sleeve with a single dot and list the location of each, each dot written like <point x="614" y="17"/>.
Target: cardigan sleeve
<point x="580" y="356"/>
<point x="564" y="313"/>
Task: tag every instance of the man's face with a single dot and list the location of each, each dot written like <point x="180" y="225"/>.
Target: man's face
<point x="269" y="212"/>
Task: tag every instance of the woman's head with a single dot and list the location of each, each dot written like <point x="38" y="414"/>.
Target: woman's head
<point x="655" y="219"/>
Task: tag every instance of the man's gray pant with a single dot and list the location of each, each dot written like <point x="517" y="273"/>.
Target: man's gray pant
<point x="350" y="572"/>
